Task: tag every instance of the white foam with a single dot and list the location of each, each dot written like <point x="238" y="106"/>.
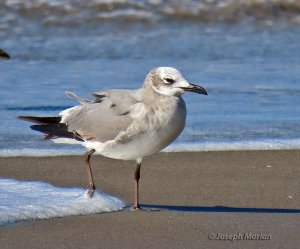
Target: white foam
<point x="268" y="144"/>
<point x="23" y="200"/>
<point x="66" y="141"/>
<point x="240" y="145"/>
<point x="41" y="152"/>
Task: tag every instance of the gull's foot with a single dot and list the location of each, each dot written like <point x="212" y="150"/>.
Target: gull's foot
<point x="138" y="208"/>
<point x="90" y="191"/>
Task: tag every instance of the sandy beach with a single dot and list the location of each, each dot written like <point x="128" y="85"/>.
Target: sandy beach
<point x="205" y="200"/>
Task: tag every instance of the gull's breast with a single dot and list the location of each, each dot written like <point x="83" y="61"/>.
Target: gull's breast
<point x="171" y="124"/>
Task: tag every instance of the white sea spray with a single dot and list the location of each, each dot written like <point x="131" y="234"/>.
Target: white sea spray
<point x="31" y="200"/>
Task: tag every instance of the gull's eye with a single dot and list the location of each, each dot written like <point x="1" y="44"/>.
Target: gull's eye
<point x="169" y="80"/>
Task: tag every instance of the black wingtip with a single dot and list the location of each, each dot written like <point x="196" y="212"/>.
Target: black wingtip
<point x="40" y="120"/>
<point x="25" y="118"/>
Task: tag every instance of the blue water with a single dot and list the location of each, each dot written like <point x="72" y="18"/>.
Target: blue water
<point x="250" y="69"/>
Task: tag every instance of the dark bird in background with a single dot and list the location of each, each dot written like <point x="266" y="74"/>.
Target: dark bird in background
<point x="4" y="55"/>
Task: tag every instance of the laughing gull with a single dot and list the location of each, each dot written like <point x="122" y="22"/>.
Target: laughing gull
<point x="124" y="124"/>
<point x="4" y="55"/>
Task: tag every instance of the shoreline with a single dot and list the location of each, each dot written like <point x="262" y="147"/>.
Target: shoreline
<point x="198" y="194"/>
<point x="277" y="145"/>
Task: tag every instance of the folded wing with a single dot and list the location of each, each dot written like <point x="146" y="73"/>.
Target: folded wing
<point x="103" y="118"/>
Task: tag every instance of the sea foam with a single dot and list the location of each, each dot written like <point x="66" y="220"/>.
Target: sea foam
<point x="28" y="200"/>
<point x="267" y="144"/>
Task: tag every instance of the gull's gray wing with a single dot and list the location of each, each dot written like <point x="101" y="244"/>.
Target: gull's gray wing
<point x="103" y="118"/>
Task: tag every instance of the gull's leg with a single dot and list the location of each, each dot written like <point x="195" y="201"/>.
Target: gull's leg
<point x="137" y="176"/>
<point x="91" y="186"/>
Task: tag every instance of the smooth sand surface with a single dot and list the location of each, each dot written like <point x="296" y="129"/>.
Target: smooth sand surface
<point x="200" y="195"/>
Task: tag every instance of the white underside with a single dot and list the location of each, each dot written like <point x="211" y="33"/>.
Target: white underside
<point x="143" y="145"/>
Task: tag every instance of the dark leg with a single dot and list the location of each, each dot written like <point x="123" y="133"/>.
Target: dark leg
<point x="137" y="176"/>
<point x="91" y="186"/>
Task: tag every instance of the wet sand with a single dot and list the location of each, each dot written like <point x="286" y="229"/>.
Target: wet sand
<point x="205" y="199"/>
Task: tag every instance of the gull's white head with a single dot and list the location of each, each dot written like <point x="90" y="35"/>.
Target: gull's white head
<point x="169" y="81"/>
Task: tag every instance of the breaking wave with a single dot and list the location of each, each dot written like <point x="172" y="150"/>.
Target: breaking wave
<point x="24" y="200"/>
<point x="76" y="13"/>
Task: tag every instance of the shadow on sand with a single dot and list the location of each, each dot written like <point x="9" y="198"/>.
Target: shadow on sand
<point x="222" y="209"/>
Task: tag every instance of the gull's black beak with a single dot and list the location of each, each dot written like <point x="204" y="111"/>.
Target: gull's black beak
<point x="195" y="88"/>
<point x="4" y="55"/>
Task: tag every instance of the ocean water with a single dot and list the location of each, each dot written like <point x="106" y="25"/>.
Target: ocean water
<point x="245" y="53"/>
